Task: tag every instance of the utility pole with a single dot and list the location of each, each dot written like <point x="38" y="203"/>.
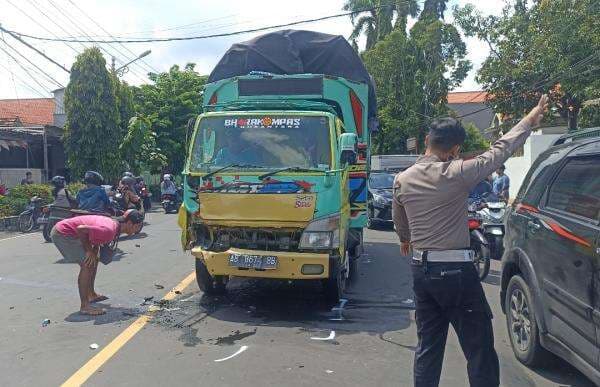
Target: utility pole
<point x="112" y="64"/>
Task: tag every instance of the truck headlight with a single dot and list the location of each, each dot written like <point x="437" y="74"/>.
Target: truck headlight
<point x="380" y="200"/>
<point x="323" y="233"/>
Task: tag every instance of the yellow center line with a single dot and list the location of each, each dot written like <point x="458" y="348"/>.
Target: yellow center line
<point x="88" y="369"/>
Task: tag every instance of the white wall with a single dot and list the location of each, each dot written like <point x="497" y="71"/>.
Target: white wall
<point x="11" y="177"/>
<point x="517" y="167"/>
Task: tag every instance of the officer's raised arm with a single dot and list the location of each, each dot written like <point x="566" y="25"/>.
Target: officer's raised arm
<point x="478" y="168"/>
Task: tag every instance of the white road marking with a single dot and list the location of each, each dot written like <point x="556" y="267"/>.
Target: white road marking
<point x="244" y="347"/>
<point x="330" y="337"/>
<point x="15" y="237"/>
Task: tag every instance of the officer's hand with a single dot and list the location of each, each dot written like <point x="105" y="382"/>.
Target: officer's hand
<point x="536" y="115"/>
<point x="405" y="248"/>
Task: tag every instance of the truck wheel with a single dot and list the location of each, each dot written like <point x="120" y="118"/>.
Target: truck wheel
<point x="334" y="286"/>
<point x="521" y="323"/>
<point x="206" y="282"/>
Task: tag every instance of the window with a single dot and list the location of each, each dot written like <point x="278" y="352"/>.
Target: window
<point x="576" y="189"/>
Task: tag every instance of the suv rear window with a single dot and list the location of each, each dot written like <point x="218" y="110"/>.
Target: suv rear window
<point x="576" y="189"/>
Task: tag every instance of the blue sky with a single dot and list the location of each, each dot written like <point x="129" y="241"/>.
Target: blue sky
<point x="159" y="18"/>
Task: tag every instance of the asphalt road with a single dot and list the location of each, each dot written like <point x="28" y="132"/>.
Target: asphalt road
<point x="273" y="329"/>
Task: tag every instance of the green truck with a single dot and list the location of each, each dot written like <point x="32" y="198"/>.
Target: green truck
<point x="277" y="167"/>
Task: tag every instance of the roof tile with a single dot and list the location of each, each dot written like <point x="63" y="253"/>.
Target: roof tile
<point x="32" y="111"/>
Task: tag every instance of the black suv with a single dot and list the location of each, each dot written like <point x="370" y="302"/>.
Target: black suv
<point x="550" y="288"/>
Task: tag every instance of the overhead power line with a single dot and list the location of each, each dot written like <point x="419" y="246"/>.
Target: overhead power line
<point x="16" y="36"/>
<point x="181" y="38"/>
<point x="105" y="31"/>
<point x="30" y="62"/>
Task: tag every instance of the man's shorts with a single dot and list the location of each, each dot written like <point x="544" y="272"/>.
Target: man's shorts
<point x="71" y="248"/>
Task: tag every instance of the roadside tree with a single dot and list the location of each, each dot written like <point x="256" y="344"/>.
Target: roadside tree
<point x="92" y="133"/>
<point x="168" y="103"/>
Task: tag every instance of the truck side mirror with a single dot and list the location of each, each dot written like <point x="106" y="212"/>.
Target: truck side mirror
<point x="348" y="144"/>
<point x="189" y="129"/>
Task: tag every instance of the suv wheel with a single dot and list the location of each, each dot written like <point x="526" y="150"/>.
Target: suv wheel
<point x="521" y="323"/>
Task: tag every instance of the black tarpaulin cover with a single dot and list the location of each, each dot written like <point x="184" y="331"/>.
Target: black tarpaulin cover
<point x="296" y="52"/>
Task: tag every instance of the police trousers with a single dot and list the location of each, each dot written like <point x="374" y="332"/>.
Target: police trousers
<point x="451" y="293"/>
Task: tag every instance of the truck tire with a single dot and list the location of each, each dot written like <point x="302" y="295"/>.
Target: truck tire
<point x="520" y="313"/>
<point x="208" y="284"/>
<point x="334" y="286"/>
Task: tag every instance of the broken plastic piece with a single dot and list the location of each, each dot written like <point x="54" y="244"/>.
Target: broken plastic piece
<point x="46" y="322"/>
<point x="94" y="346"/>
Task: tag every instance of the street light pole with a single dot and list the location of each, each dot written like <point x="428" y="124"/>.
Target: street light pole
<point x="123" y="69"/>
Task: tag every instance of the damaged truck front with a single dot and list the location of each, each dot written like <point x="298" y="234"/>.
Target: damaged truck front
<point x="275" y="179"/>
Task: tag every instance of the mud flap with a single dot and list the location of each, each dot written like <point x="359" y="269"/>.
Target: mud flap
<point x="182" y="221"/>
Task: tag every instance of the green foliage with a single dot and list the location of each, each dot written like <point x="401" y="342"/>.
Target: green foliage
<point x="138" y="148"/>
<point x="92" y="133"/>
<point x="124" y="96"/>
<point x="413" y="74"/>
<point x="590" y="116"/>
<point x="475" y="140"/>
<point x="543" y="46"/>
<point x="377" y="24"/>
<point x="10" y="206"/>
<point x="27" y="191"/>
<point x="168" y="103"/>
<point x="18" y="197"/>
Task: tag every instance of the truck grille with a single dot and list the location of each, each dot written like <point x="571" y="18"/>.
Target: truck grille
<point x="223" y="238"/>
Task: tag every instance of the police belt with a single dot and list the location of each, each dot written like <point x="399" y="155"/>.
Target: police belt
<point x="443" y="256"/>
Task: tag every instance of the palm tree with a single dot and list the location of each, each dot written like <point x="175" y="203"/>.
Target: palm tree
<point x="376" y="18"/>
<point x="404" y="9"/>
<point x="365" y="23"/>
<point x="435" y="8"/>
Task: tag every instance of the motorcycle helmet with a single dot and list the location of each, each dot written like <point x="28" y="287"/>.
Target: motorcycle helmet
<point x="128" y="174"/>
<point x="93" y="177"/>
<point x="128" y="180"/>
<point x="167" y="177"/>
<point x="58" y="181"/>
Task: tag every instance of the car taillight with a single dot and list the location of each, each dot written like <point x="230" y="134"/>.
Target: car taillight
<point x="357" y="112"/>
<point x="474" y="224"/>
<point x="213" y="99"/>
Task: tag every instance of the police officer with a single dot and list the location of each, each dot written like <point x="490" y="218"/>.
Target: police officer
<point x="430" y="214"/>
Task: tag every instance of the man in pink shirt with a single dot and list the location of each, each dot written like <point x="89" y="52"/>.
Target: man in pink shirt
<point x="79" y="240"/>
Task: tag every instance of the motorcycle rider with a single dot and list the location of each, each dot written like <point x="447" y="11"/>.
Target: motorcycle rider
<point x="61" y="195"/>
<point x="168" y="187"/>
<point x="142" y="190"/>
<point x="127" y="189"/>
<point x="93" y="198"/>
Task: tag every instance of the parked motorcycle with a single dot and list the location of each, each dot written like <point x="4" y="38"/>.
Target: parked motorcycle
<point x="170" y="203"/>
<point x="479" y="243"/>
<point x="492" y="212"/>
<point x="29" y="219"/>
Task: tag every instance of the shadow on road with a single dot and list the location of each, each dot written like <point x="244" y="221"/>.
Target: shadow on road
<point x="112" y="315"/>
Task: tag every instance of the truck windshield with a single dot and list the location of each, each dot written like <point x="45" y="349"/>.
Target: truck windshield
<point x="264" y="141"/>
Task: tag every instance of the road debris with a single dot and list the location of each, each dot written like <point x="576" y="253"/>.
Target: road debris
<point x="158" y="286"/>
<point x="177" y="291"/>
<point x="45" y="322"/>
<point x="11" y="307"/>
<point x="94" y="346"/>
<point x="137" y="245"/>
<point x="330" y="337"/>
<point x="329" y="371"/>
<point x="147" y="300"/>
<point x="242" y="349"/>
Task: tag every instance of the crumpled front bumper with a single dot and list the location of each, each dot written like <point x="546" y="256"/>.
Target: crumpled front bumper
<point x="289" y="264"/>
